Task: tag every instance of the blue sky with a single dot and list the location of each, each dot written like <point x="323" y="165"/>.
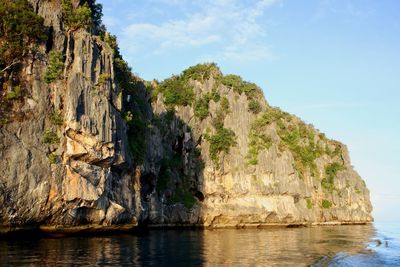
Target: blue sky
<point x="336" y="64"/>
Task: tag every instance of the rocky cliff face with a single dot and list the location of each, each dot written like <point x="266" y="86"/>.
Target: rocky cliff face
<point x="278" y="171"/>
<point x="200" y="148"/>
<point x="64" y="160"/>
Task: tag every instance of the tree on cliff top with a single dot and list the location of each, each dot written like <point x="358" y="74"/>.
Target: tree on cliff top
<point x="87" y="14"/>
<point x="19" y="28"/>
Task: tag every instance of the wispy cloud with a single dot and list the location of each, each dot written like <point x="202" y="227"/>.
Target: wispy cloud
<point x="230" y="26"/>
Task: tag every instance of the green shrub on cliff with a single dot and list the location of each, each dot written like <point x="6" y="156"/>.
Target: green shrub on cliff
<point x="336" y="151"/>
<point x="309" y="204"/>
<point x="104" y="78"/>
<point x="15" y="93"/>
<point x="221" y="141"/>
<point x="234" y="81"/>
<point x="96" y="16"/>
<point x="176" y="92"/>
<point x="57" y="118"/>
<point x="257" y="138"/>
<point x="53" y="158"/>
<point x="331" y="171"/>
<point x="50" y="137"/>
<point x="78" y="17"/>
<point x="326" y="204"/>
<point x="136" y="137"/>
<point x="257" y="142"/>
<point x="184" y="197"/>
<point x="123" y="75"/>
<point x="201" y="108"/>
<point x="299" y="139"/>
<point x="111" y="40"/>
<point x="201" y="72"/>
<point x="201" y="104"/>
<point x="20" y="29"/>
<point x="87" y="14"/>
<point x="254" y="106"/>
<point x="56" y="66"/>
<point x="295" y="136"/>
<point x="225" y="107"/>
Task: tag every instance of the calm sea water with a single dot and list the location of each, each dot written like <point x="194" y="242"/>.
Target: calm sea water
<point x="364" y="245"/>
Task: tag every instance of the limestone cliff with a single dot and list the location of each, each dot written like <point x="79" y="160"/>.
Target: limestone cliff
<point x="87" y="143"/>
<point x="64" y="157"/>
<point x="276" y="170"/>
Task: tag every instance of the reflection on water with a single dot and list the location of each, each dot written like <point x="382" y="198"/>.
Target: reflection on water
<point x="321" y="246"/>
<point x="293" y="247"/>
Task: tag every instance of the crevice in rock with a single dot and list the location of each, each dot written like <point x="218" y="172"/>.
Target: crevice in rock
<point x="49" y="43"/>
<point x="199" y="195"/>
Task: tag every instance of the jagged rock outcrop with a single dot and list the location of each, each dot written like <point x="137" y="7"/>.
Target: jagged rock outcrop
<point x="201" y="148"/>
<point x="75" y="170"/>
<point x="296" y="176"/>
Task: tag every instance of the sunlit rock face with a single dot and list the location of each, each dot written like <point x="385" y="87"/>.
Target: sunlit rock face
<point x="90" y="177"/>
<point x="229" y="161"/>
<point x="297" y="176"/>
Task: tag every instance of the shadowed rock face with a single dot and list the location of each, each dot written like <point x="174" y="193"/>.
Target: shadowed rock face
<point x="89" y="174"/>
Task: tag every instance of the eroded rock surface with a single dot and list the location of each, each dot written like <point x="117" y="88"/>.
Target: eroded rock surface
<point x="92" y="167"/>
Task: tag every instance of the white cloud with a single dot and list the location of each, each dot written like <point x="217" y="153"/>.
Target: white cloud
<point x="232" y="27"/>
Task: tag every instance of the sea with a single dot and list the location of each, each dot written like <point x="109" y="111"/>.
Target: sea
<point x="376" y="244"/>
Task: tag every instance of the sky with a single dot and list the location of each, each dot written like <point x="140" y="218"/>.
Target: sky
<point x="335" y="64"/>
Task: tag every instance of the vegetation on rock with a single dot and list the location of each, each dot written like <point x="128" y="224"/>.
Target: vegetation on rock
<point x="133" y="112"/>
<point x="309" y="204"/>
<point x="331" y="171"/>
<point x="225" y="107"/>
<point x="184" y="197"/>
<point x="50" y="137"/>
<point x="88" y="14"/>
<point x="103" y="79"/>
<point x="295" y="136"/>
<point x="176" y="91"/>
<point x="236" y="82"/>
<point x="56" y="66"/>
<point x="137" y="130"/>
<point x="221" y="141"/>
<point x="20" y="30"/>
<point x="201" y="104"/>
<point x="201" y="72"/>
<point x="201" y="108"/>
<point x="326" y="204"/>
<point x="78" y="17"/>
<point x="254" y="106"/>
<point x="299" y="139"/>
<point x="15" y="93"/>
<point x="257" y="142"/>
<point x="52" y="158"/>
<point x="57" y="118"/>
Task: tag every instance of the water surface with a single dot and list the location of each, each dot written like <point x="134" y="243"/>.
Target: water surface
<point x="359" y="245"/>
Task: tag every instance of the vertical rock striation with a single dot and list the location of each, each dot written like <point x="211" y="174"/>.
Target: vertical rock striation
<point x="82" y="150"/>
<point x="279" y="171"/>
<point x="82" y="174"/>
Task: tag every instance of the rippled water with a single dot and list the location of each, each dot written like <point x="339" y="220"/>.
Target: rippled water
<point x="363" y="245"/>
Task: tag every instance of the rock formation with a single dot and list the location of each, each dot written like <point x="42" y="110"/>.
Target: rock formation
<point x="96" y="147"/>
